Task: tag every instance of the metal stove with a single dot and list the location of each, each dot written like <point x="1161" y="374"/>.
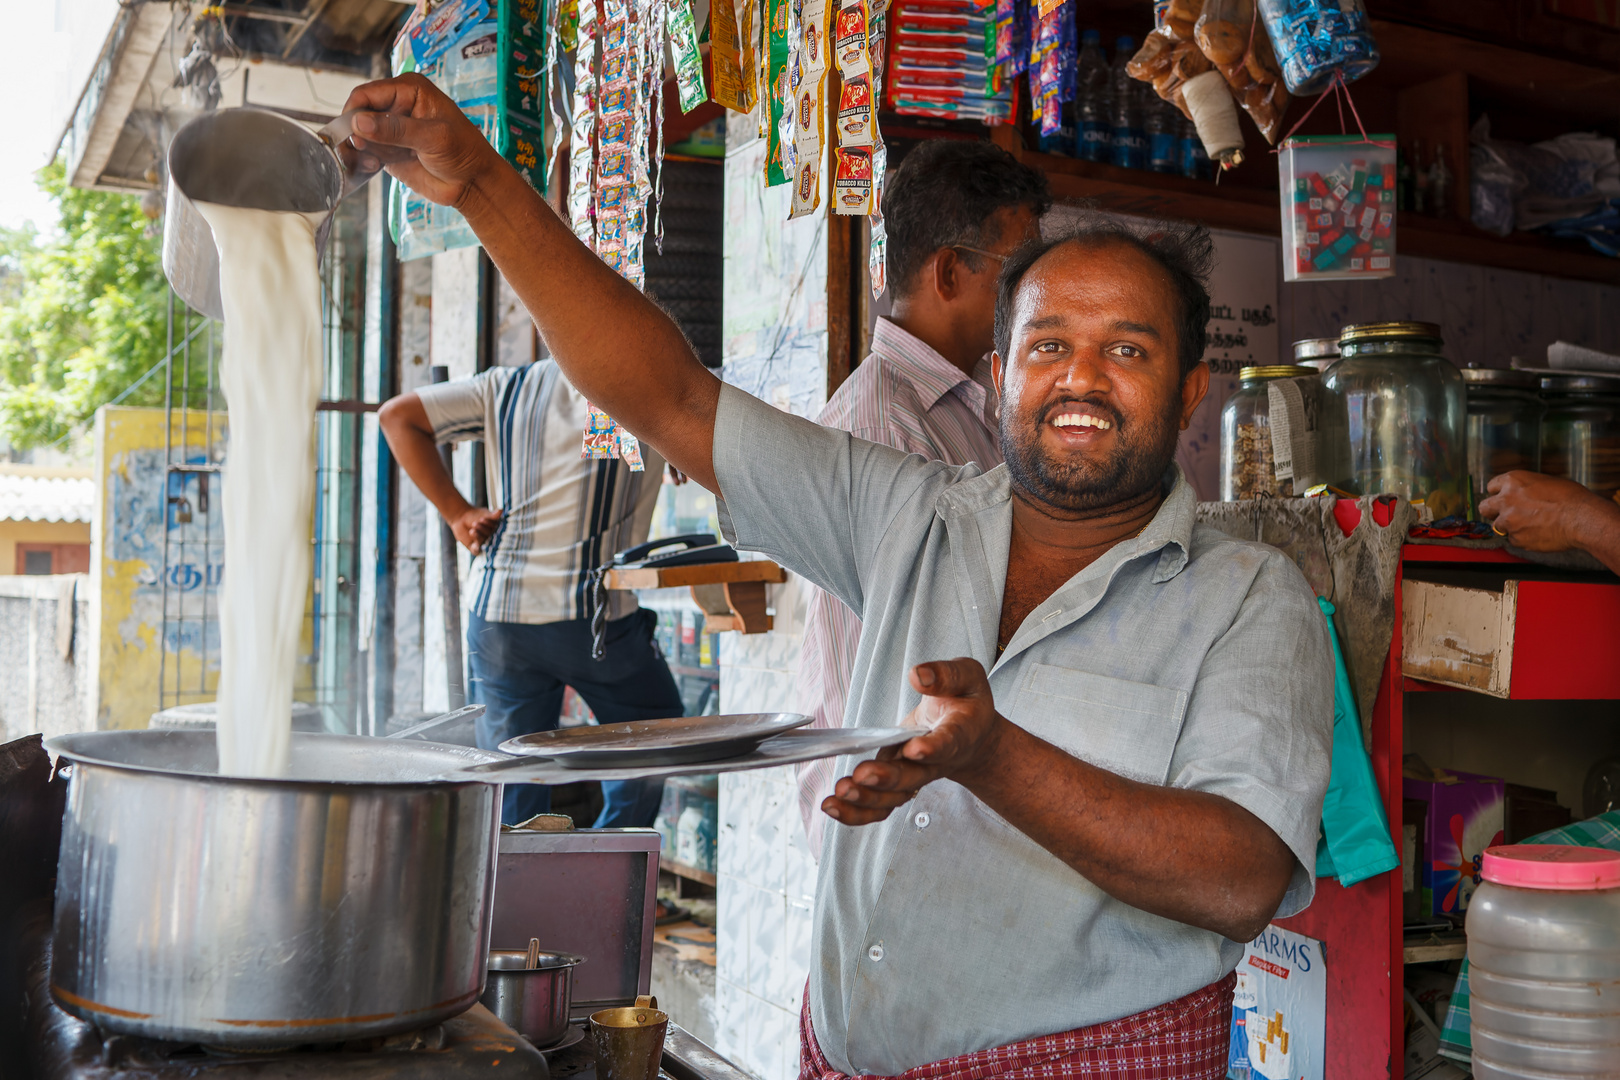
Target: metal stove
<point x="474" y="1044"/>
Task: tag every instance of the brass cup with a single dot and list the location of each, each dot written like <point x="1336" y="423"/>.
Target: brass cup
<point x="629" y="1041"/>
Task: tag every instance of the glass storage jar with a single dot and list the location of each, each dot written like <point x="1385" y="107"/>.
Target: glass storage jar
<point x="1403" y="411"/>
<point x="1580" y="432"/>
<point x="1316" y="352"/>
<point x="1246" y="454"/>
<point x="1504" y="424"/>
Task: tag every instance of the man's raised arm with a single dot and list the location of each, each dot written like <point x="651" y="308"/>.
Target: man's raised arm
<point x="616" y="346"/>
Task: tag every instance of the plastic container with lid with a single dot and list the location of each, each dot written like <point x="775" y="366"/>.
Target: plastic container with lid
<point x="1504" y="424"/>
<point x="1318" y="352"/>
<point x="1580" y="433"/>
<point x="1247" y="457"/>
<point x="1544" y="963"/>
<point x="1403" y="410"/>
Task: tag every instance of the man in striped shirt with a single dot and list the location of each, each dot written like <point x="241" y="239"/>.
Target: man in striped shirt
<point x="556" y="517"/>
<point x="954" y="210"/>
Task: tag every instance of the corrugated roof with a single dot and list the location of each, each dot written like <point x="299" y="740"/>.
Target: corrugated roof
<point x="47" y="498"/>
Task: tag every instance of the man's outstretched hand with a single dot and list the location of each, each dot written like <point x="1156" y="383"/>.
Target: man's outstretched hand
<point x="961" y="726"/>
<point x="412" y="128"/>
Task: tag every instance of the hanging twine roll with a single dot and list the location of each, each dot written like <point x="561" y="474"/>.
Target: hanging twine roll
<point x="1215" y="115"/>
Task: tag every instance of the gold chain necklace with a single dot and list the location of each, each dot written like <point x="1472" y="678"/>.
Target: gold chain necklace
<point x="1001" y="646"/>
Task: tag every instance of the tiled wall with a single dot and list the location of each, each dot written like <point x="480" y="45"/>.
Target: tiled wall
<point x="775" y="348"/>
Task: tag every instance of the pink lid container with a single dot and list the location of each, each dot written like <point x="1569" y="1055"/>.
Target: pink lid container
<point x="1551" y="866"/>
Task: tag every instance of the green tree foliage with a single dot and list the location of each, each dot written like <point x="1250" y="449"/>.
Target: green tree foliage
<point x="83" y="313"/>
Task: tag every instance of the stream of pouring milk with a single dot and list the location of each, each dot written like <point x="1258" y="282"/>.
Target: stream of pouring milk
<point x="271" y="376"/>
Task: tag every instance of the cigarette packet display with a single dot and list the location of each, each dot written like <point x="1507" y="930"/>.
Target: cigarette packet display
<point x="938" y="62"/>
<point x="1338" y="207"/>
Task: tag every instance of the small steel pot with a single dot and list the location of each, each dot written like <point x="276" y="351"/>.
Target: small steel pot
<point x="534" y="1002"/>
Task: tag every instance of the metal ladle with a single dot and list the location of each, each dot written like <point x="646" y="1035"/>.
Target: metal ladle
<point x="246" y="157"/>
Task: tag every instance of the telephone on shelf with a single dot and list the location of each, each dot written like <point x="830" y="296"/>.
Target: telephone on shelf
<point x="689" y="550"/>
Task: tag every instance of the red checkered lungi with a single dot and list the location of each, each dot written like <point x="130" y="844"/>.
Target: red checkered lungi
<point x="1185" y="1039"/>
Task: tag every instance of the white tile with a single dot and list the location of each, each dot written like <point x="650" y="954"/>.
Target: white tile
<point x="730" y="1019"/>
<point x="771" y="1032"/>
<point x="731" y="839"/>
<point x="766" y="926"/>
<point x="798" y="865"/>
<point x="731" y="929"/>
<point x="773" y="812"/>
<point x="796" y="937"/>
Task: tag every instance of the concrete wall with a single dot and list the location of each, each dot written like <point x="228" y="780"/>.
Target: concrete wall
<point x="47" y="670"/>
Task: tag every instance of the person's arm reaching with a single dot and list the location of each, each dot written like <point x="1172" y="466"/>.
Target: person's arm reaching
<point x="1546" y="513"/>
<point x="615" y="346"/>
<point x="405" y="424"/>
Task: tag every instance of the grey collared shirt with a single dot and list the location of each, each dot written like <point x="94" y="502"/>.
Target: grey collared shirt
<point x="1182" y="657"/>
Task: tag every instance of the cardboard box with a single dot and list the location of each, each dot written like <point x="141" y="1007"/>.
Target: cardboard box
<point x="1465" y="817"/>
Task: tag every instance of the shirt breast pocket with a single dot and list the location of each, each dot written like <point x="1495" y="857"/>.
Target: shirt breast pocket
<point x="1128" y="728"/>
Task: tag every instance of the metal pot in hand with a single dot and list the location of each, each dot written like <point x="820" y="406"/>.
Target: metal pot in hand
<point x="245" y="157"/>
<point x="351" y="899"/>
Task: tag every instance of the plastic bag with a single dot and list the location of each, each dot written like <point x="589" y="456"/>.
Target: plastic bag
<point x="1355" y="843"/>
<point x="1230" y="35"/>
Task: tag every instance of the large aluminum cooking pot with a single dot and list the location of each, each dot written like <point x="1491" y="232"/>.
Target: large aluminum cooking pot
<point x="351" y="899"/>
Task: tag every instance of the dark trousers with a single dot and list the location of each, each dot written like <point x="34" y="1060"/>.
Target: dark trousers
<point x="519" y="672"/>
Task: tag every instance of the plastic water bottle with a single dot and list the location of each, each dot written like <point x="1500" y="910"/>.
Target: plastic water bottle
<point x="1065" y="140"/>
<point x="1163" y="128"/>
<point x="1130" y="141"/>
<point x="1193" y="160"/>
<point x="1094" y="122"/>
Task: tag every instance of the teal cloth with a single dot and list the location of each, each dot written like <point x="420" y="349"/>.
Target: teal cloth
<point x="1603" y="831"/>
<point x="1354" y="844"/>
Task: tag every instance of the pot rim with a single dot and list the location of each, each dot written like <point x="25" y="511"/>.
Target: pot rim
<point x="82" y="748"/>
<point x="549" y="962"/>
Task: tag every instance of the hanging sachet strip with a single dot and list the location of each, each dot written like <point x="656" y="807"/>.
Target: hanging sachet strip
<point x="582" y="128"/>
<point x="776" y="79"/>
<point x="809" y="118"/>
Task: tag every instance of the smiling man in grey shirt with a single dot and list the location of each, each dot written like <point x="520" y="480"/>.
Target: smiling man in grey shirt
<point x="1119" y="777"/>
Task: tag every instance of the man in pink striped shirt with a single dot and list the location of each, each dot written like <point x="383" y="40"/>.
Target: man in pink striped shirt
<point x="953" y="211"/>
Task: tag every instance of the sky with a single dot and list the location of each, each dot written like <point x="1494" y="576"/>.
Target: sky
<point x="46" y="52"/>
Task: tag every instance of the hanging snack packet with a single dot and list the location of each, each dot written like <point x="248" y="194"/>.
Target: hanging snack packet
<point x="688" y="60"/>
<point x="850" y="42"/>
<point x="601" y="436"/>
<point x="876" y="257"/>
<point x="852" y="183"/>
<point x="857" y="113"/>
<point x="733" y="83"/>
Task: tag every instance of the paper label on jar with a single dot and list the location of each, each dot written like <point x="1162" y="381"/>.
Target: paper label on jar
<point x="1293" y="423"/>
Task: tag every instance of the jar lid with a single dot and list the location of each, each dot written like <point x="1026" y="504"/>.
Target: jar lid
<point x="1276" y="371"/>
<point x="1601" y="384"/>
<point x="1551" y="866"/>
<point x="1510" y="377"/>
<point x="1315" y="348"/>
<point x="1388" y="331"/>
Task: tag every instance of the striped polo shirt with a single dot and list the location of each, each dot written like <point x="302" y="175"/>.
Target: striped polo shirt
<point x="563" y="516"/>
<point x="904" y="395"/>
